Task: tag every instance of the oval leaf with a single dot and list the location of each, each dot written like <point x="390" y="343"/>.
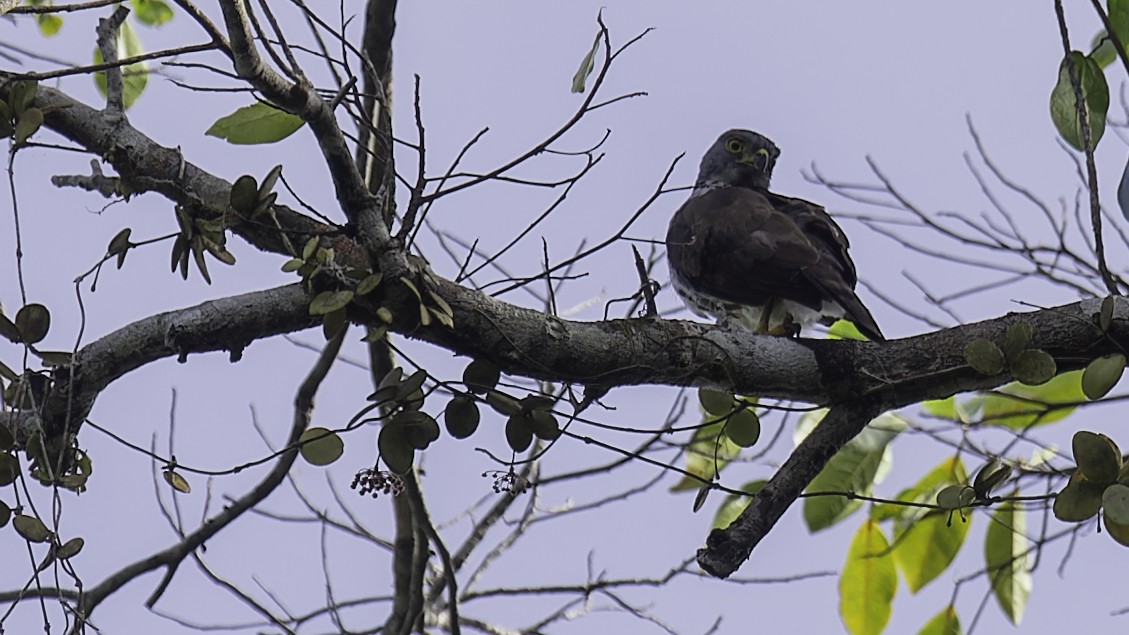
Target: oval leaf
<point x="177" y="482"/>
<point x="1095" y="94"/>
<point x="31" y="528"/>
<point x="1080" y="500"/>
<point x="743" y="428"/>
<point x="481" y="375"/>
<point x="716" y="402"/>
<point x="984" y="356"/>
<point x="1097" y="456"/>
<point x="1034" y="367"/>
<point x="320" y="446"/>
<point x="868" y="582"/>
<point x="257" y="123"/>
<point x="1102" y="374"/>
<point x="1006" y="552"/>
<point x="33" y="321"/>
<point x="395" y="451"/>
<point x="519" y="433"/>
<point x="461" y="417"/>
<point x="1115" y="502"/>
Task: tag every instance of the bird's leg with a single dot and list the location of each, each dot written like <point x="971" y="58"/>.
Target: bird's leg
<point x="766" y="315"/>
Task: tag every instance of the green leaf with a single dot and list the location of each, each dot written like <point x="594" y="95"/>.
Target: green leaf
<point x="1102" y="374"/>
<point x="49" y="24"/>
<point x="320" y="446"/>
<point x="1019" y="406"/>
<point x="586" y="66"/>
<point x="481" y="375"/>
<point x="177" y="482"/>
<point x="394" y="449"/>
<point x="31" y="528"/>
<point x="152" y="12"/>
<point x="329" y="301"/>
<point x="928" y="546"/>
<point x="1034" y="367"/>
<point x="984" y="356"/>
<point x="1097" y="456"/>
<point x="461" y="417"/>
<point x="855" y="468"/>
<point x="944" y="623"/>
<point x="743" y="427"/>
<point x="33" y="321"/>
<point x="28" y="124"/>
<point x="845" y="330"/>
<point x="868" y="582"/>
<point x="1006" y="554"/>
<point x="135" y="77"/>
<point x="716" y="402"/>
<point x="257" y="123"/>
<point x="734" y="504"/>
<point x="1080" y="500"/>
<point x="1115" y="502"/>
<point x="1095" y="94"/>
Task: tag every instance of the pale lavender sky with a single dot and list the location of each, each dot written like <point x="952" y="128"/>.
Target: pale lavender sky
<point x="830" y="82"/>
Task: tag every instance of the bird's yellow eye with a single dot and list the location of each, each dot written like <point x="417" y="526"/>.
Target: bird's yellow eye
<point x="736" y="146"/>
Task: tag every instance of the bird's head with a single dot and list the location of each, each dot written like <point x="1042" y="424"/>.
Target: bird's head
<point x="739" y="158"/>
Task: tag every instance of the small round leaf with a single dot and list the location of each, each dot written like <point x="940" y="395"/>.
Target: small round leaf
<point x="984" y="356"/>
<point x="1117" y="531"/>
<point x="716" y="402"/>
<point x="956" y="496"/>
<point x="320" y="446"/>
<point x="544" y="425"/>
<point x="244" y="194"/>
<point x="9" y="468"/>
<point x="1034" y="367"/>
<point x="743" y="428"/>
<point x="33" y="321"/>
<point x="1097" y="456"/>
<point x="1078" y="501"/>
<point x="519" y="433"/>
<point x="481" y="375"/>
<point x="395" y="451"/>
<point x="1017" y="339"/>
<point x="1102" y="374"/>
<point x="461" y="417"/>
<point x="1115" y="502"/>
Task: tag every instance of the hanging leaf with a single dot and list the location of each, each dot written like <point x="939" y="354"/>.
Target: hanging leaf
<point x="33" y="321"/>
<point x="1102" y="374"/>
<point x="1006" y="555"/>
<point x="868" y="582"/>
<point x="734" y="504"/>
<point x="944" y="623"/>
<point x="254" y="124"/>
<point x="1095" y="94"/>
<point x="1080" y="500"/>
<point x="586" y="66"/>
<point x="320" y="446"/>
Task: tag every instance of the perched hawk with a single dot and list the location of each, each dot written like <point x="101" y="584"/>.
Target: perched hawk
<point x="739" y="252"/>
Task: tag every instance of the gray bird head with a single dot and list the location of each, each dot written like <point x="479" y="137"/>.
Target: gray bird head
<point x="740" y="158"/>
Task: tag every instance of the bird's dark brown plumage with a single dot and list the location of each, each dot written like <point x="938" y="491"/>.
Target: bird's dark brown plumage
<point x="734" y="246"/>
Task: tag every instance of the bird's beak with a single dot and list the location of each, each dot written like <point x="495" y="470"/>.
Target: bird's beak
<point x="758" y="159"/>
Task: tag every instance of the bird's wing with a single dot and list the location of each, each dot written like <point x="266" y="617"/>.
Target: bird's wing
<point x="731" y="243"/>
<point x="834" y="273"/>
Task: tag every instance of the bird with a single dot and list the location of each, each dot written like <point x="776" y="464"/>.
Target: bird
<point x="742" y="254"/>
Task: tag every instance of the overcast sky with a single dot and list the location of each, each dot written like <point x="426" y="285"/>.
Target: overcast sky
<point x="832" y="83"/>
